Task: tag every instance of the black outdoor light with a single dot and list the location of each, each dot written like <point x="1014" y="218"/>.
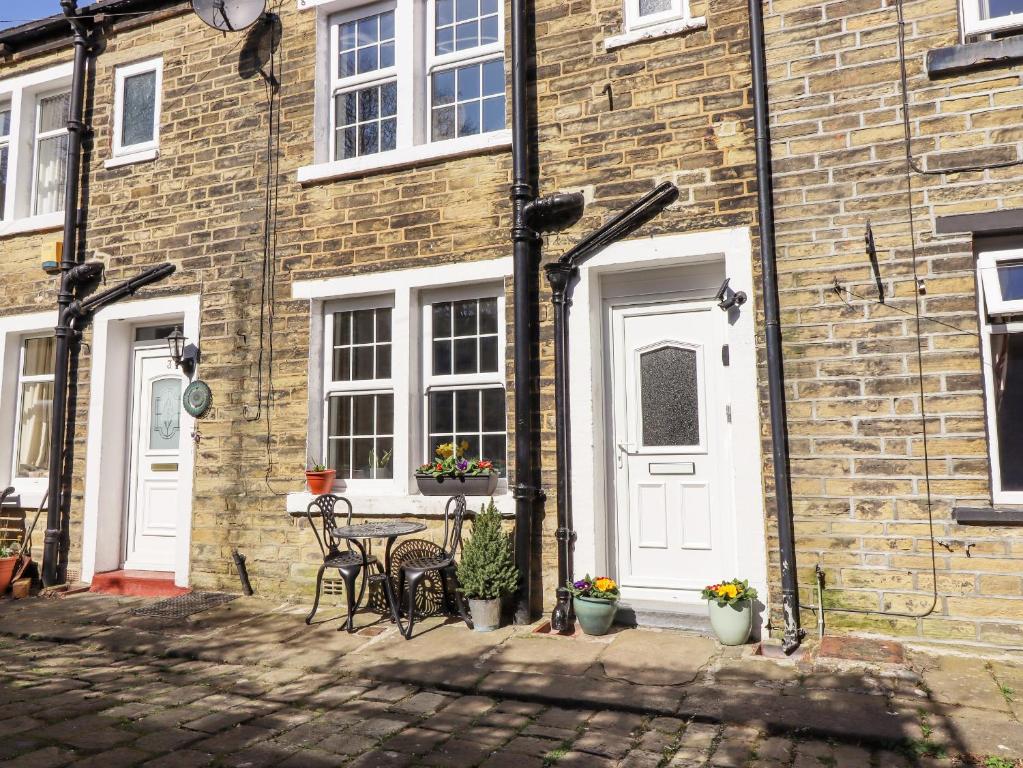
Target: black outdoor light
<point x="184" y="356"/>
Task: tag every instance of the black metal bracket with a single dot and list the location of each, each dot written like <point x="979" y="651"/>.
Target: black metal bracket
<point x="727" y="298"/>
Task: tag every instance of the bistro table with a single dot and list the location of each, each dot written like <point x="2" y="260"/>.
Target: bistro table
<point x="360" y="532"/>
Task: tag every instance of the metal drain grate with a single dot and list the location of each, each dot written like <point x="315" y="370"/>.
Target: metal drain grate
<point x="183" y="605"/>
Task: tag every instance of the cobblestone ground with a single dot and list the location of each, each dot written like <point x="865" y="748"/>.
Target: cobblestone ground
<point x="70" y="705"/>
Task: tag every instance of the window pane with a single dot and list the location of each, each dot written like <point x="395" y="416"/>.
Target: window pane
<point x="365" y="322"/>
<point x="441" y="357"/>
<point x="339" y="457"/>
<point x="469" y="118"/>
<point x="50" y="174"/>
<point x="488" y="30"/>
<point x="465" y="356"/>
<point x="34" y="429"/>
<point x="363" y="416"/>
<point x="5" y="122"/>
<point x="389" y="100"/>
<point x="342" y="328"/>
<point x="383" y="361"/>
<point x="493" y="78"/>
<point x="466" y="9"/>
<point x="354" y="450"/>
<point x="357" y="117"/>
<point x="385" y="414"/>
<point x="493" y="410"/>
<point x="343" y="364"/>
<point x="488" y="315"/>
<point x="368" y="59"/>
<point x="165" y="415"/>
<point x="339" y="421"/>
<point x="363" y="458"/>
<point x="670" y="397"/>
<point x="488" y="354"/>
<point x="366" y="45"/>
<point x="346" y="36"/>
<point x="992" y="9"/>
<point x="648" y="7"/>
<point x="139" y="109"/>
<point x="442" y="412"/>
<point x="3" y="179"/>
<point x="445" y="12"/>
<point x="442" y="320"/>
<point x="495" y="449"/>
<point x="1010" y="280"/>
<point x="467" y="410"/>
<point x="445" y="41"/>
<point x="368" y="30"/>
<point x="53" y="112"/>
<point x="384" y="458"/>
<point x="467" y="35"/>
<point x="444" y="88"/>
<point x="1007" y="354"/>
<point x="383" y="321"/>
<point x="38" y="356"/>
<point x="493" y="114"/>
<point x="468" y="83"/>
<point x="468" y="87"/>
<point x="465" y="318"/>
<point x="362" y="363"/>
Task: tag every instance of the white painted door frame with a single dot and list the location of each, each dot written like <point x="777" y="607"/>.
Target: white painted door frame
<point x="591" y="429"/>
<point x="107" y="446"/>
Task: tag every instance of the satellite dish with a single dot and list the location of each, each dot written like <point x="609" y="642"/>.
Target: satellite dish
<point x="229" y="15"/>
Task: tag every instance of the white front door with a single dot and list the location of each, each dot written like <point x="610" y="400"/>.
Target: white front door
<point x="153" y="500"/>
<point x="674" y="519"/>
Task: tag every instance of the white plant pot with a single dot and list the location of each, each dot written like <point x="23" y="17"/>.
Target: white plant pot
<point x="486" y="614"/>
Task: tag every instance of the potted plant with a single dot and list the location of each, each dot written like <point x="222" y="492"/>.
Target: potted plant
<point x="452" y="472"/>
<point x="487" y="571"/>
<point x="319" y="479"/>
<point x="595" y="602"/>
<point x="8" y="560"/>
<point x="730" y="604"/>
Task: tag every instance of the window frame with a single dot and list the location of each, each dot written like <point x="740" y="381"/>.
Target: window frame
<point x="338" y="85"/>
<point x="973" y="24"/>
<point x="995" y="319"/>
<point x="5" y="144"/>
<point x="413" y="144"/>
<point x="21" y="94"/>
<point x="435" y="63"/>
<point x="121" y="73"/>
<point x="40" y="136"/>
<point x="332" y="387"/>
<point x="20" y="380"/>
<point x="430" y="382"/>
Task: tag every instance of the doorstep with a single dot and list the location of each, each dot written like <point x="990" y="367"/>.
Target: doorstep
<point x="137" y="584"/>
<point x="664" y="615"/>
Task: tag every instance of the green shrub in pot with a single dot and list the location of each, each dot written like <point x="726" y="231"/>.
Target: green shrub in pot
<point x="487" y="572"/>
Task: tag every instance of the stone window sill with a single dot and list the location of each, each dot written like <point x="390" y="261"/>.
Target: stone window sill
<point x="32" y="224"/>
<point x="654" y="32"/>
<point x="988" y="516"/>
<point x="971" y="56"/>
<point x="403" y="158"/>
<point x="402" y="505"/>
<point x="129" y="159"/>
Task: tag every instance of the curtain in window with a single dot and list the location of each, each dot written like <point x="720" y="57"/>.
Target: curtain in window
<point x="34" y="440"/>
<point x="51" y="153"/>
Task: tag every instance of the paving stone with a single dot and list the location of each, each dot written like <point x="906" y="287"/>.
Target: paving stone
<point x="470" y="706"/>
<point x="775" y="748"/>
<point x="122" y="757"/>
<point x="656" y="658"/>
<point x="89" y="732"/>
<point x="415" y="741"/>
<point x="377" y="759"/>
<point x="639" y="758"/>
<point x="494" y="737"/>
<point x="560" y="690"/>
<point x="265" y="755"/>
<point x="564" y="718"/>
<point x="513" y="760"/>
<point x="531" y="745"/>
<point x="233" y="739"/>
<point x="381" y="727"/>
<point x="539" y="656"/>
<point x="965" y="682"/>
<point x="423" y="703"/>
<point x="167" y="739"/>
<point x="390" y="692"/>
<point x="347" y="744"/>
<point x="13" y="725"/>
<point x="48" y="757"/>
<point x="667" y="724"/>
<point x="457" y="753"/>
<point x="618" y="722"/>
<point x="656" y="741"/>
<point x="575" y="759"/>
<point x="603" y="744"/>
<point x="185" y="758"/>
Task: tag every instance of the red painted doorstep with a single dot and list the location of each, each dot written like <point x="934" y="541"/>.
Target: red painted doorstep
<point x="137" y="584"/>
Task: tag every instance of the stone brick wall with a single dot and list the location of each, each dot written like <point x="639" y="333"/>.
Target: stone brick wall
<point x="854" y="377"/>
<point x="681" y="112"/>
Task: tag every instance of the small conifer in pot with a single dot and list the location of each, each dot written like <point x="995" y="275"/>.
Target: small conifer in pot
<point x="487" y="572"/>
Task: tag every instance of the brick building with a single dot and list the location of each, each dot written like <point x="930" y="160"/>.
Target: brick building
<point x="333" y="190"/>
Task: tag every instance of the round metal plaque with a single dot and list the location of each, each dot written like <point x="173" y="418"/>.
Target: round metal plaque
<point x="197" y="399"/>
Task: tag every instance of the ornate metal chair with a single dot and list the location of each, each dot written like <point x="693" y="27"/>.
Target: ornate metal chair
<point x="412" y="571"/>
<point x="324" y="519"/>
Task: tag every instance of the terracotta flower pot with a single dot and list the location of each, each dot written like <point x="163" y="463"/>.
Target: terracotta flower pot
<point x="320" y="482"/>
<point x="6" y="572"/>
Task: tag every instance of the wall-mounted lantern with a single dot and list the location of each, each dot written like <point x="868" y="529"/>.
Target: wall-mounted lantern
<point x="184" y="356"/>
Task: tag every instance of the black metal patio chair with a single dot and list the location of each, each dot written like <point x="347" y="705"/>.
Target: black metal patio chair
<point x="412" y="571"/>
<point x="348" y="562"/>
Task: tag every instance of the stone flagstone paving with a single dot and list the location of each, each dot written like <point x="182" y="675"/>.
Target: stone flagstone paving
<point x="85" y="682"/>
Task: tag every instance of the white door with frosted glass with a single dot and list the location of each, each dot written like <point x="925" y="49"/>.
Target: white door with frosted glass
<point x="153" y="501"/>
<point x="674" y="521"/>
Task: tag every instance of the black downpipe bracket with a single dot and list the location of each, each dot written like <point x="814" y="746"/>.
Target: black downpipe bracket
<point x="793" y="633"/>
<point x="70" y="276"/>
<point x="525" y="256"/>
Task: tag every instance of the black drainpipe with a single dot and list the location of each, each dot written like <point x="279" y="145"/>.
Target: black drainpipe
<point x="525" y="254"/>
<point x="793" y="634"/>
<point x="72" y="273"/>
